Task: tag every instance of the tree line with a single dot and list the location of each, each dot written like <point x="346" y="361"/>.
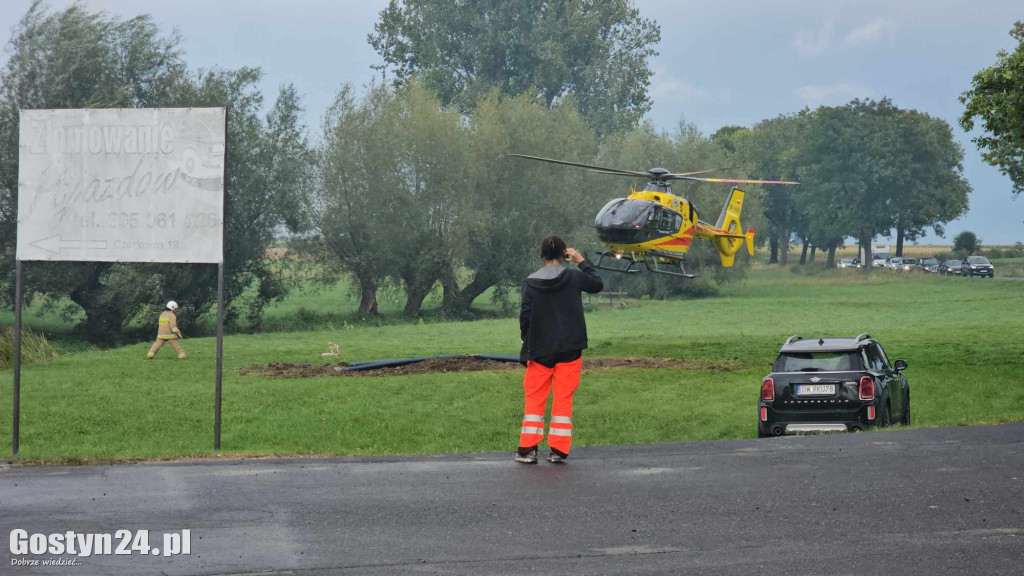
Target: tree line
<point x="408" y="183"/>
<point x="866" y="169"/>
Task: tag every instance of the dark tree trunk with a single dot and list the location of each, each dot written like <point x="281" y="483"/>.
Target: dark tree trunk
<point x="784" y="247"/>
<point x="866" y="245"/>
<point x="414" y="301"/>
<point x="814" y="249"/>
<point x="416" y="289"/>
<point x="459" y="301"/>
<point x="449" y="291"/>
<point x="470" y="293"/>
<point x="803" y="251"/>
<point x="831" y="256"/>
<point x="899" y="241"/>
<point x="773" y="249"/>
<point x="367" y="296"/>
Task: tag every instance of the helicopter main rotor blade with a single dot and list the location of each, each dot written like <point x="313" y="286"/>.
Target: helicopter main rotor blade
<point x="578" y="165"/>
<point x="730" y="181"/>
<point x="695" y="173"/>
<point x="609" y="172"/>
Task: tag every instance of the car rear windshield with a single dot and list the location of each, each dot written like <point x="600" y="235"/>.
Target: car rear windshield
<point x="977" y="260"/>
<point x="818" y="361"/>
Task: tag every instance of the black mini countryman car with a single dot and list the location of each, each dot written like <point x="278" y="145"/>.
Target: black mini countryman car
<point x="832" y="385"/>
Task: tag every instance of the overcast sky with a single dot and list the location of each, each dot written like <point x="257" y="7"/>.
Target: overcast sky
<point x="721" y="62"/>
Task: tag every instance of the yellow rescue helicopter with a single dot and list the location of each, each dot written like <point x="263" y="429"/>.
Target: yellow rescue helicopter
<point x="656" y="227"/>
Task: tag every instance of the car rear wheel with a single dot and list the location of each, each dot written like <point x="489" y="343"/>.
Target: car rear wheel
<point x="886" y="418"/>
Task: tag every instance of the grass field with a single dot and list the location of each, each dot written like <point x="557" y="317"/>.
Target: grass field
<point x="962" y="339"/>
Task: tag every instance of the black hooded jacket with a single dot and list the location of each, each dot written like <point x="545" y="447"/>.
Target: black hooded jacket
<point x="551" y="322"/>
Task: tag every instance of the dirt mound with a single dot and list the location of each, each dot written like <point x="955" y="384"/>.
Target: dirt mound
<point x="468" y="364"/>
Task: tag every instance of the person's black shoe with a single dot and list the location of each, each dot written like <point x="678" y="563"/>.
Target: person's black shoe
<point x="556" y="457"/>
<point x="527" y="456"/>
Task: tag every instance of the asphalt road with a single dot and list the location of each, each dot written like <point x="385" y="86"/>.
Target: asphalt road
<point x="915" y="502"/>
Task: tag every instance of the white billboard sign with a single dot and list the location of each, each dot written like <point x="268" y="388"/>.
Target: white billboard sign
<point x="121" y="185"/>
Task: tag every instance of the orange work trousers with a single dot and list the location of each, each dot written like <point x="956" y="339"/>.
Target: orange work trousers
<point x="560" y="381"/>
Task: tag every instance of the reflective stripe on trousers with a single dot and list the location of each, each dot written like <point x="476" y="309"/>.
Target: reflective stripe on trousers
<point x="561" y="382"/>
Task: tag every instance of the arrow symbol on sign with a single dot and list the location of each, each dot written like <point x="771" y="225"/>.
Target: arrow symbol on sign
<point x="56" y="243"/>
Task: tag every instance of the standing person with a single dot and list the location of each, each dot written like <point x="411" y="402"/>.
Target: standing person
<point x="168" y="332"/>
<point x="554" y="336"/>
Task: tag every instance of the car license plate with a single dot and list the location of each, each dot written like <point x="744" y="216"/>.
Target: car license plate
<point x="809" y="389"/>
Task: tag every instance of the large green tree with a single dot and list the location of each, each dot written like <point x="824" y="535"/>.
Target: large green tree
<point x="931" y="189"/>
<point x="396" y="189"/>
<point x="517" y="202"/>
<point x="770" y="150"/>
<point x="871" y="167"/>
<point x="597" y="50"/>
<point x="845" y="160"/>
<point x="346" y="210"/>
<point x="444" y="203"/>
<point x="77" y="58"/>
<point x="996" y="98"/>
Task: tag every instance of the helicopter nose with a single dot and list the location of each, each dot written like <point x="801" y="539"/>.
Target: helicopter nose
<point x="618" y="233"/>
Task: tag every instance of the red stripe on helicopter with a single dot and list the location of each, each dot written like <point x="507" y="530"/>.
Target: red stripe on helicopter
<point x="676" y="242"/>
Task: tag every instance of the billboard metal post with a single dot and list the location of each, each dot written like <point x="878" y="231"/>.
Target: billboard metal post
<point x="220" y="299"/>
<point x="16" y="421"/>
<point x="220" y="354"/>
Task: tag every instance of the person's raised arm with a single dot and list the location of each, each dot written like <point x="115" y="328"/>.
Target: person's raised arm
<point x="590" y="280"/>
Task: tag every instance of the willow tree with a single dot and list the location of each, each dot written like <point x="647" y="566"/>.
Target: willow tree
<point x="395" y="190"/>
<point x="77" y="58"/>
<point x="517" y="202"/>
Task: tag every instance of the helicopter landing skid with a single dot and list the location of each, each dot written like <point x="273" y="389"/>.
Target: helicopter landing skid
<point x="669" y="270"/>
<point x="629" y="269"/>
<point x="650" y="262"/>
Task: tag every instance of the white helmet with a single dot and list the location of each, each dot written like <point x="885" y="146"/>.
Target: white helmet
<point x="172" y="305"/>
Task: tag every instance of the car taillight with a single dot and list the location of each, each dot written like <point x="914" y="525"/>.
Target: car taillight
<point x="867" y="388"/>
<point x="871" y="412"/>
<point x="764" y="414"/>
<point x="768" y="390"/>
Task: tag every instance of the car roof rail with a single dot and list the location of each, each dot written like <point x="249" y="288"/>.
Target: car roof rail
<point x="864" y="336"/>
<point x="794" y="338"/>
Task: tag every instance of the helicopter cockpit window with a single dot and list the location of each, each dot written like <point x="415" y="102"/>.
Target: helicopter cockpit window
<point x="624" y="213"/>
<point x="668" y="221"/>
<point x="654" y="218"/>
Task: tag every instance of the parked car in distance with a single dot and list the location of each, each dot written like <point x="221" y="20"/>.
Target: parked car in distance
<point x="879" y="261"/>
<point x="907" y="265"/>
<point x="950" y="268"/>
<point x="848" y="263"/>
<point x="832" y="385"/>
<point x="893" y="263"/>
<point x="930" y="265"/>
<point x="977" y="266"/>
